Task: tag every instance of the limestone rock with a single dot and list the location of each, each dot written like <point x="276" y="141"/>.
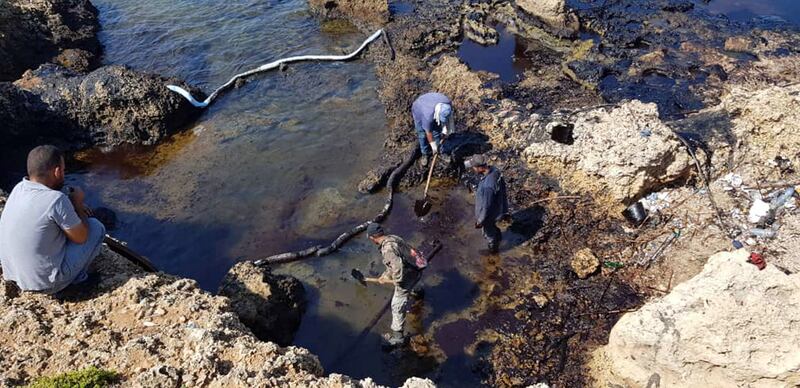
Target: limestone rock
<point x="622" y="154"/>
<point x="33" y="32"/>
<point x="731" y="325"/>
<point x="110" y="106"/>
<point x="585" y="263"/>
<point x="553" y="13"/>
<point x="270" y="305"/>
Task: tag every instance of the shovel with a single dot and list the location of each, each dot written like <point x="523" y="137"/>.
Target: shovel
<point x="356" y="274"/>
<point x="423" y="206"/>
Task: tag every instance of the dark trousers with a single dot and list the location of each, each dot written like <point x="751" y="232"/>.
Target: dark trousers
<point x="492" y="234"/>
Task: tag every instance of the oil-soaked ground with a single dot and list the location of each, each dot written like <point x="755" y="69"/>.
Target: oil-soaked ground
<point x="274" y="164"/>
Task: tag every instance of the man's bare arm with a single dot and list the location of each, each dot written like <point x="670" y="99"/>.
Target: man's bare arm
<point x="78" y="233"/>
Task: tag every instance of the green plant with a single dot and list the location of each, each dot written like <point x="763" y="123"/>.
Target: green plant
<point x="90" y="377"/>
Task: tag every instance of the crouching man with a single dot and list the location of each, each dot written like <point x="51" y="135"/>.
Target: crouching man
<point x="47" y="239"/>
<point x="404" y="266"/>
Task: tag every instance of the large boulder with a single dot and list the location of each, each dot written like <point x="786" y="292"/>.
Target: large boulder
<point x="110" y="106"/>
<point x="730" y="326"/>
<point x="33" y="32"/>
<point x="270" y="305"/>
<point x="620" y="153"/>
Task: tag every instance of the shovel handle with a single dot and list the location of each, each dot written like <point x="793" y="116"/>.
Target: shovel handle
<point x="430" y="170"/>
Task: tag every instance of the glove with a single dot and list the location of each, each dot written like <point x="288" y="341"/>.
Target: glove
<point x="434" y="147"/>
<point x="445" y="130"/>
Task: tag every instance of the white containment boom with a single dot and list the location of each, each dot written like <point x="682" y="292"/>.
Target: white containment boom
<point x="269" y="66"/>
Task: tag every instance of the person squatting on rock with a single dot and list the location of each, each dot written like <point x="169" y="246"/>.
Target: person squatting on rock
<point x="404" y="266"/>
<point x="491" y="203"/>
<point x="433" y="121"/>
<point x="47" y="238"/>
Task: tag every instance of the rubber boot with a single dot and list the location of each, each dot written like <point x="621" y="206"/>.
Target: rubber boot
<point x="424" y="160"/>
<point x="418" y="293"/>
<point x="394" y="339"/>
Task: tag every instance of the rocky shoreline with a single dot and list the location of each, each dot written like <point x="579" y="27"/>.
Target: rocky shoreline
<point x="561" y="130"/>
<point x="618" y="99"/>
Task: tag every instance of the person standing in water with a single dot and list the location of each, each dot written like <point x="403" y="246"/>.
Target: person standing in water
<point x="404" y="266"/>
<point x="491" y="202"/>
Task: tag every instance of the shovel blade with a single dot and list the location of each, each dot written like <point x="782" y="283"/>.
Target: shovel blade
<point x="422" y="207"/>
<point x="356" y="274"/>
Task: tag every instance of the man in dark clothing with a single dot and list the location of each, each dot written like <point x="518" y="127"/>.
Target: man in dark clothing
<point x="491" y="203"/>
<point x="403" y="269"/>
<point x="433" y="121"/>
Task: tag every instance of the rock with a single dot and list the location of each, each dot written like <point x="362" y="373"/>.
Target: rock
<point x="731" y="325"/>
<point x="110" y="106"/>
<point x="585" y="263"/>
<point x="270" y="305"/>
<point x="416" y="382"/>
<point x="33" y="32"/>
<point x="620" y="154"/>
<point x="372" y="12"/>
<point x="553" y="13"/>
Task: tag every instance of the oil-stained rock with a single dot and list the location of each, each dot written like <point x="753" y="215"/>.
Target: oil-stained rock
<point x="110" y="106"/>
<point x="370" y="12"/>
<point x="270" y="305"/>
<point x="33" y="32"/>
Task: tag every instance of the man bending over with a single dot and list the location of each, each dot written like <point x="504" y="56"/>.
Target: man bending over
<point x="47" y="239"/>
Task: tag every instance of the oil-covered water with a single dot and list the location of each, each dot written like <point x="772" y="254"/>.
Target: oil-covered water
<point x="273" y="166"/>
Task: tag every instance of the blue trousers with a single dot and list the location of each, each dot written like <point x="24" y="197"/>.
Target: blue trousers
<point x="78" y="257"/>
<point x="423" y="140"/>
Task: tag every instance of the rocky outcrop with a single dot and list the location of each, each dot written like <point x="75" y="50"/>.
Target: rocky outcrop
<point x="731" y="325"/>
<point x="553" y="14"/>
<point x="155" y="330"/>
<point x="270" y="305"/>
<point x="621" y="153"/>
<point x="33" y="32"/>
<point x="371" y="12"/>
<point x="110" y="106"/>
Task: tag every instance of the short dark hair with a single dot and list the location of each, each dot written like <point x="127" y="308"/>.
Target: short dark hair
<point x="43" y="159"/>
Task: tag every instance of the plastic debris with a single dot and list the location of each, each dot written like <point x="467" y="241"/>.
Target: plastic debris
<point x="757" y="260"/>
<point x="737" y="244"/>
<point x="613" y="264"/>
<point x="782" y="199"/>
<point x="758" y="211"/>
<point x="734" y="181"/>
<point x="656" y="201"/>
<point x="763" y="233"/>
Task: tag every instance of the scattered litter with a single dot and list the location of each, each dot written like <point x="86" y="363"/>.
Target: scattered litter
<point x="780" y="200"/>
<point x="148" y="324"/>
<point x="655" y="202"/>
<point x="763" y="233"/>
<point x="757" y="260"/>
<point x="758" y="211"/>
<point x="734" y="181"/>
<point x="635" y="214"/>
<point x="613" y="264"/>
<point x="737" y="244"/>
<point x="750" y="241"/>
<point x="646" y="132"/>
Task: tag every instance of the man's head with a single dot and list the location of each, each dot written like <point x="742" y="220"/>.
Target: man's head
<point x="375" y="232"/>
<point x="477" y="163"/>
<point x="46" y="166"/>
<point x="443" y="113"/>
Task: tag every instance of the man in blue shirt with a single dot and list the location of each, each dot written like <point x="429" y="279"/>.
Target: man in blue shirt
<point x="491" y="202"/>
<point x="433" y="121"/>
<point x="47" y="239"/>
